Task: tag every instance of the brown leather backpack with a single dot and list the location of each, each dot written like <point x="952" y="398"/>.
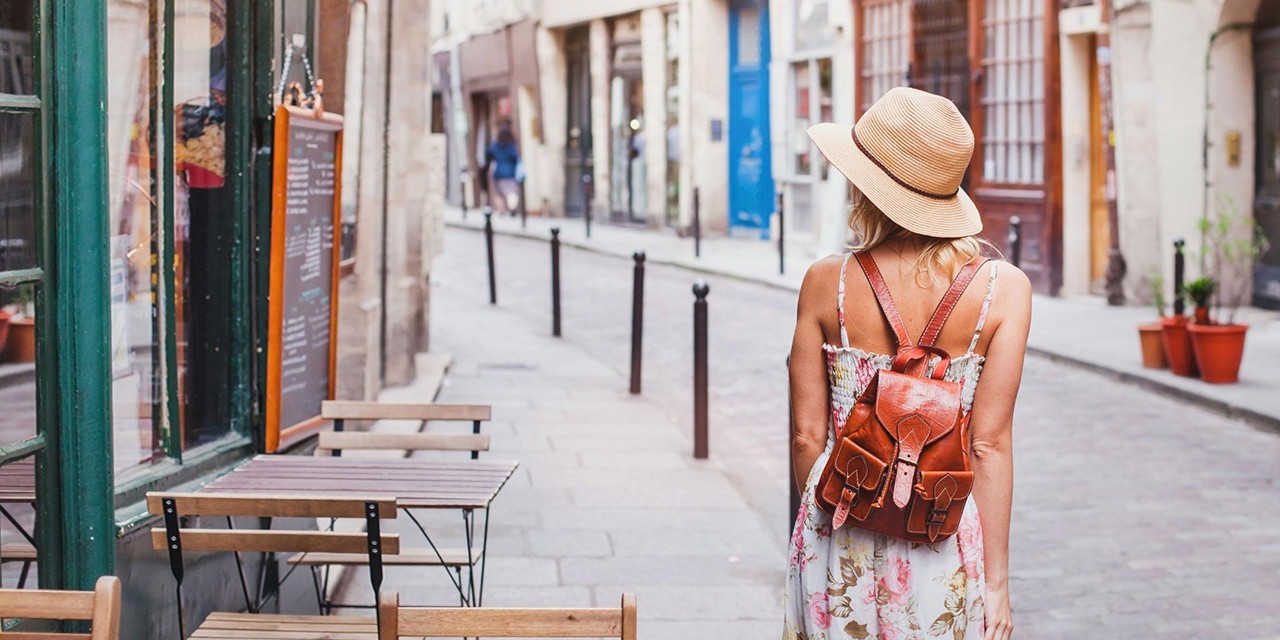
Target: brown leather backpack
<point x="900" y="465"/>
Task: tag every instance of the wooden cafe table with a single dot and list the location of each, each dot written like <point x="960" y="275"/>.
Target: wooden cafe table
<point x="465" y="485"/>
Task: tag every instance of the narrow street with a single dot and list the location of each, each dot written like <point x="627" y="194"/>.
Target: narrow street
<point x="1135" y="516"/>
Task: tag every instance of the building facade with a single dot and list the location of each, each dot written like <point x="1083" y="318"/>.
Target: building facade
<point x="135" y="248"/>
<point x="1197" y="114"/>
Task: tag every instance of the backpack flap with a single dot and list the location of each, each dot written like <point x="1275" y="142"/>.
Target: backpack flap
<point x="939" y="503"/>
<point x="901" y="397"/>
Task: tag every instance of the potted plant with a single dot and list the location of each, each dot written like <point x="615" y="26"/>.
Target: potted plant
<point x="21" y="343"/>
<point x="4" y="328"/>
<point x="1232" y="244"/>
<point x="1199" y="293"/>
<point x="1150" y="334"/>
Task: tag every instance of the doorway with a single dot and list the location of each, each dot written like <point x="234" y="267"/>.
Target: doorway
<point x="577" y="153"/>
<point x="1266" y="207"/>
<point x="750" y="169"/>
<point x="1099" y="210"/>
<point x="627" y="175"/>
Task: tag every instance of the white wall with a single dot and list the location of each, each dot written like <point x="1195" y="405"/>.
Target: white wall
<point x="706" y="34"/>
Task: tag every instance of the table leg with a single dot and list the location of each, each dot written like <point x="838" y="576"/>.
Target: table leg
<point x="457" y="583"/>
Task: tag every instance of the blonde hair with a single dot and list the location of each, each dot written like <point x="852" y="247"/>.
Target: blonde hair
<point x="937" y="255"/>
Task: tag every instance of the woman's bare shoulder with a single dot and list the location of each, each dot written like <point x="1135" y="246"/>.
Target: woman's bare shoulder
<point x="1013" y="289"/>
<point x="820" y="280"/>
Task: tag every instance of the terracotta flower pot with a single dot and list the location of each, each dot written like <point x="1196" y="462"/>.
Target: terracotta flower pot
<point x="1202" y="315"/>
<point x="21" y="345"/>
<point x="1177" y="346"/>
<point x="1218" y="349"/>
<point x="1152" y="346"/>
<point x="4" y="329"/>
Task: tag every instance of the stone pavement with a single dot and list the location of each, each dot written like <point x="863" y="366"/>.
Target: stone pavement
<point x="607" y="498"/>
<point x="1083" y="331"/>
<point x="1136" y="516"/>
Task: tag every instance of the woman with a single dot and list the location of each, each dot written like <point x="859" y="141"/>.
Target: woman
<point x="906" y="159"/>
<point x="503" y="158"/>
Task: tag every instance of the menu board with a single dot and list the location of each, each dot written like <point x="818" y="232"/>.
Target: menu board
<point x="303" y="309"/>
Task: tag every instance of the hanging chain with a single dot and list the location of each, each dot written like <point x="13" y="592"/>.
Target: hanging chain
<point x="284" y="74"/>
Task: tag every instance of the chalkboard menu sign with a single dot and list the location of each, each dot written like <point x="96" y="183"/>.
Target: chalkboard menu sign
<point x="303" y="316"/>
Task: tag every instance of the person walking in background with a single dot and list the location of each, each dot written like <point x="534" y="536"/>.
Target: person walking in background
<point x="906" y="159"/>
<point x="503" y="160"/>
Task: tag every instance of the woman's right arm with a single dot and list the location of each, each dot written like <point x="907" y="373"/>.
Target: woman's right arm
<point x="808" y="374"/>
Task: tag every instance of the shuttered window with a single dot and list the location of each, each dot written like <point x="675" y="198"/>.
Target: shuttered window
<point x="885" y="49"/>
<point x="1013" y="132"/>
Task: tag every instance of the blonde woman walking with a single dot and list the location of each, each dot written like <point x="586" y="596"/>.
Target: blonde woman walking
<point x="906" y="159"/>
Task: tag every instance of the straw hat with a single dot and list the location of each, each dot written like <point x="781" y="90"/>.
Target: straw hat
<point x="908" y="154"/>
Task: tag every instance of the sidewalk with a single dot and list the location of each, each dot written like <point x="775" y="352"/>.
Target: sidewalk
<point x="606" y="499"/>
<point x="1081" y="331"/>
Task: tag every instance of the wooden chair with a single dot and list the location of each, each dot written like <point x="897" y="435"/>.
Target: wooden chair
<point x="176" y="539"/>
<point x="339" y="411"/>
<point x="22" y="552"/>
<point x="395" y="622"/>
<point x="100" y="606"/>
<point x="338" y="440"/>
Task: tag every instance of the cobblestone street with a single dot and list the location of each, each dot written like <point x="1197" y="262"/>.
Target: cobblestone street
<point x="1135" y="516"/>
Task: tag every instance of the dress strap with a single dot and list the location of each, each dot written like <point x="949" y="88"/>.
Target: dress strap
<point x="948" y="303"/>
<point x="986" y="306"/>
<point x="844" y="334"/>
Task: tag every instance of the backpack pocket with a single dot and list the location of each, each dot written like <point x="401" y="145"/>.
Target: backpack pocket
<point x="851" y="481"/>
<point x="938" y="503"/>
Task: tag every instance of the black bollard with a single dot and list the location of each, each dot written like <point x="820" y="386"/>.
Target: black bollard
<point x="637" y="319"/>
<point x="700" y="291"/>
<point x="488" y="244"/>
<point x="588" y="190"/>
<point x="1015" y="241"/>
<point x="555" y="281"/>
<point x="1179" y="273"/>
<point x="782" y="237"/>
<point x="697" y="226"/>
<point x="524" y="213"/>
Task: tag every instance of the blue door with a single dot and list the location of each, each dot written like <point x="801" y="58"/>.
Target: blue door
<point x="750" y="169"/>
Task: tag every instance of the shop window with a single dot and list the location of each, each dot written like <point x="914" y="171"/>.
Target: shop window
<point x="672" y="128"/>
<point x="813" y="28"/>
<point x="885" y="58"/>
<point x="133" y="209"/>
<point x="17" y="76"/>
<point x="202" y="208"/>
<point x="17" y="191"/>
<point x="1013" y="136"/>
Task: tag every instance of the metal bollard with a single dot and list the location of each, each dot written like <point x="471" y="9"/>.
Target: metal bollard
<point x="697" y="225"/>
<point x="1179" y="273"/>
<point x="555" y="281"/>
<point x="700" y="291"/>
<point x="588" y="191"/>
<point x="637" y="319"/>
<point x="488" y="244"/>
<point x="524" y="212"/>
<point x="782" y="237"/>
<point x="1015" y="241"/>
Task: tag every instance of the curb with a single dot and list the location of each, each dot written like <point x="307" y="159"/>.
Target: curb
<point x="1249" y="416"/>
<point x="596" y="249"/>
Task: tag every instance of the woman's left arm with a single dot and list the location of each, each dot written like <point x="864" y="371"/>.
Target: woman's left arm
<point x="992" y="432"/>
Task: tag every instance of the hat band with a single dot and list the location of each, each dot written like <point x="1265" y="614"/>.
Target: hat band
<point x="853" y="131"/>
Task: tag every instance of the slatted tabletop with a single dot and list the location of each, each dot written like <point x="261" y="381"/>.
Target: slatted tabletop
<point x="414" y="483"/>
<point x="18" y="482"/>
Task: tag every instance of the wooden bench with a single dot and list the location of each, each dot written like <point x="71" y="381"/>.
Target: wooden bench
<point x="372" y="544"/>
<point x="396" y="622"/>
<point x="100" y="606"/>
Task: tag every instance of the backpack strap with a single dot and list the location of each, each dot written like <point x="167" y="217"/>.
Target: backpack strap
<point x="948" y="302"/>
<point x="887" y="307"/>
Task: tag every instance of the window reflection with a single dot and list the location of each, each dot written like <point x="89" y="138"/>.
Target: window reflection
<point x="16" y="61"/>
<point x="133" y="265"/>
<point x="203" y="206"/>
<point x="17" y="191"/>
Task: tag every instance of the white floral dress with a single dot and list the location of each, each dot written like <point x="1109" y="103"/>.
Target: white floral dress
<point x="856" y="584"/>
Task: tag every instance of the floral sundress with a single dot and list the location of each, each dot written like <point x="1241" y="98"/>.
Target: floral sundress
<point x="852" y="584"/>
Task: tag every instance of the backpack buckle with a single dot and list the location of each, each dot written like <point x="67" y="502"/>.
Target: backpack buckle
<point x="936" y="517"/>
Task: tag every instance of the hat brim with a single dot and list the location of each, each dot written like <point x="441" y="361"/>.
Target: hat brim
<point x="954" y="217"/>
